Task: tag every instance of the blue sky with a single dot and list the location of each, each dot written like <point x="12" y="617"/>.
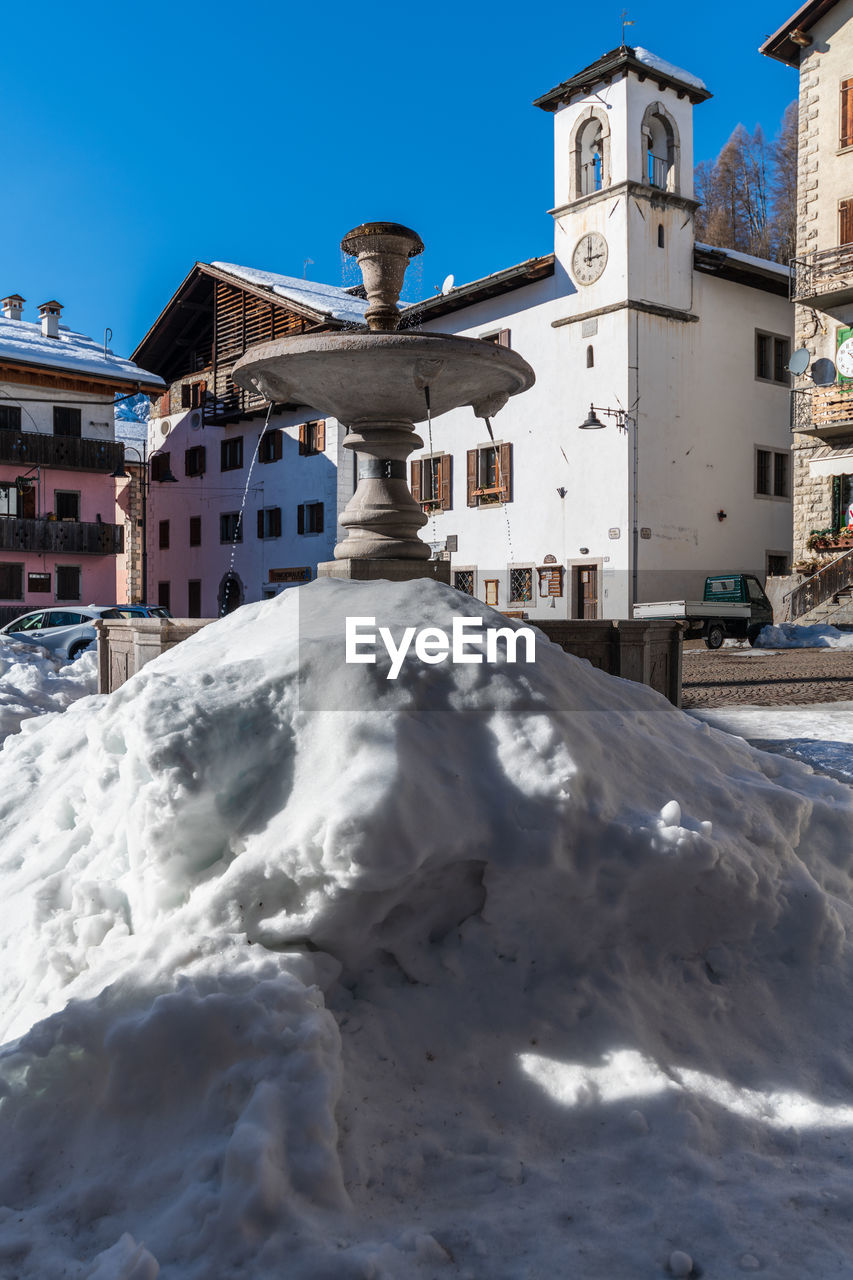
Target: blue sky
<point x="139" y="139"/>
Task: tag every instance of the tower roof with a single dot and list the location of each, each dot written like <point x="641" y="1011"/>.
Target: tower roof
<point x="645" y="65"/>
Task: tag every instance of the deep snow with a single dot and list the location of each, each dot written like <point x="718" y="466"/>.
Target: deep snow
<point x="800" y="635"/>
<point x="511" y="972"/>
<point x="33" y="682"/>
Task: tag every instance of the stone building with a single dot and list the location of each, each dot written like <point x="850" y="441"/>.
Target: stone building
<point x="818" y="41"/>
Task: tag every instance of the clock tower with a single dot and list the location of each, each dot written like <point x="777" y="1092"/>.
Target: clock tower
<point x="623" y="169"/>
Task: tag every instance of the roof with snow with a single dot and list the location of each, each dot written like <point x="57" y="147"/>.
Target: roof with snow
<point x="325" y="299"/>
<point x="610" y="65"/>
<point x="742" y="268"/>
<point x="23" y="343"/>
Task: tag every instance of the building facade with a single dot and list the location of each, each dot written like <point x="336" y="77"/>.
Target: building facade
<point x="818" y="42"/>
<point x="62" y="531"/>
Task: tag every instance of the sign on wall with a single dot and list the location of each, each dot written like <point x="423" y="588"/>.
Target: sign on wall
<point x="300" y="574"/>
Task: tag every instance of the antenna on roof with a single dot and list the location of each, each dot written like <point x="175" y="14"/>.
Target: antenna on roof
<point x="108" y="337"/>
<point x="309" y="262"/>
<point x="447" y="286"/>
<point x="626" y="22"/>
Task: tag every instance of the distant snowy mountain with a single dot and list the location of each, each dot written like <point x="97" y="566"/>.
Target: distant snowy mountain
<point x="135" y="409"/>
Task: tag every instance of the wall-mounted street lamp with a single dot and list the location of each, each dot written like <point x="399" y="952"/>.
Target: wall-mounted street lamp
<point x="144" y="487"/>
<point x="624" y="420"/>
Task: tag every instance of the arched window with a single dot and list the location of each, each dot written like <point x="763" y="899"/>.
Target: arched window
<point x="590" y="167"/>
<point x="590" y="358"/>
<point x="660" y="235"/>
<point x="661" y="148"/>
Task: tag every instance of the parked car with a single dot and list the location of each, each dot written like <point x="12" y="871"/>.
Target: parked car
<point x="63" y="632"/>
<point x="142" y="611"/>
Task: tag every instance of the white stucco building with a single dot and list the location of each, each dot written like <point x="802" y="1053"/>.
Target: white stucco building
<point x="684" y="345"/>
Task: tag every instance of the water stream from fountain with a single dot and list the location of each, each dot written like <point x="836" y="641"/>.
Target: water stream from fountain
<point x="238" y="528"/>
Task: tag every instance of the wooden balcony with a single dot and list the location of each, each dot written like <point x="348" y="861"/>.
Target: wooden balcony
<point x="823" y="279"/>
<point x="823" y="412"/>
<point x="37" y="449"/>
<point x="68" y="537"/>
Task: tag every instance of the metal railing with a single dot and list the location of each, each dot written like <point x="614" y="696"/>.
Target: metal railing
<point x="73" y="537"/>
<point x="821" y="407"/>
<point x="590" y="177"/>
<point x="658" y="170"/>
<point x="822" y="272"/>
<point x="833" y="578"/>
<point x="36" y="448"/>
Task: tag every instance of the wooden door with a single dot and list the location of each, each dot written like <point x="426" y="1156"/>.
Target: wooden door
<point x="586" y="591"/>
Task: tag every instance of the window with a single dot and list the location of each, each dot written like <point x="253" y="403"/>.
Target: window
<point x="66" y="504"/>
<point x="164" y="535"/>
<point x="312" y="437"/>
<point x="194" y="460"/>
<point x="231" y="455"/>
<point x="489" y="475"/>
<point x="67" y="582"/>
<point x="430" y="482"/>
<point x="192" y="394"/>
<point x="164" y="593"/>
<point x="38" y="583"/>
<point x="491" y="585"/>
<point x="590" y="161"/>
<point x="269" y="522"/>
<point x="309" y="517"/>
<point x="160" y="466"/>
<point x="842" y="502"/>
<point x="846" y="131"/>
<point x="500" y="339"/>
<point x="520" y="585"/>
<point x="195" y="531"/>
<point x="66" y="422"/>
<point x="463" y="580"/>
<point x="231" y="527"/>
<point x="772" y="353"/>
<point x="11" y="582"/>
<point x="269" y="449"/>
<point x="194" y="598"/>
<point x="777" y="565"/>
<point x="660" y="235"/>
<point x="590" y="358"/>
<point x="771" y="474"/>
<point x="8" y="499"/>
<point x="10" y="417"/>
<point x="62" y="618"/>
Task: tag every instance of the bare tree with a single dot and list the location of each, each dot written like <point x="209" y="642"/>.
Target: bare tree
<point x="783" y="187"/>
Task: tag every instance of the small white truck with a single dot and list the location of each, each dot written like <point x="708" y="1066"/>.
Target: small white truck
<point x="734" y="604"/>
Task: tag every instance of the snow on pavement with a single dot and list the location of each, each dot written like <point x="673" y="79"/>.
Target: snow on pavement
<point x="33" y="682"/>
<point x="795" y="635"/>
<point x="819" y="734"/>
<point x="511" y="971"/>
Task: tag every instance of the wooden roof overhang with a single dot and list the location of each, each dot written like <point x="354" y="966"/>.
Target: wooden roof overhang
<point x="31" y="373"/>
<point x="612" y="66"/>
<point x="717" y="262"/>
<point x="786" y="44"/>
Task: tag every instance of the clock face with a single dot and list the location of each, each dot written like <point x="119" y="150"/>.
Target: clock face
<point x="844" y="359"/>
<point x="589" y="258"/>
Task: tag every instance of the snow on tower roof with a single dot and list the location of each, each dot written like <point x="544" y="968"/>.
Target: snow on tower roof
<point x="615" y="63"/>
<point x="22" y="342"/>
<point x="329" y="299"/>
<point x="668" y="68"/>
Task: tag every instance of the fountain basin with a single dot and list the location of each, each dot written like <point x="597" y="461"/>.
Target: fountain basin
<point x="380" y="377"/>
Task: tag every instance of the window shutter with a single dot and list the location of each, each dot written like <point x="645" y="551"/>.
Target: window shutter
<point x="318" y="517"/>
<point x="303" y="433"/>
<point x="300" y="518"/>
<point x="276" y="445"/>
<point x="189" y="459"/>
<point x="260" y="523"/>
<point x="472" y="477"/>
<point x="503" y="338"/>
<point x="845" y="211"/>
<point x="415" y="473"/>
<point x="847" y="113"/>
<point x="275" y="520"/>
<point x="836" y="504"/>
<point x="444" y="482"/>
<point x="320" y="436"/>
<point x="164" y="403"/>
<point x="506" y="472"/>
<point x="185" y="395"/>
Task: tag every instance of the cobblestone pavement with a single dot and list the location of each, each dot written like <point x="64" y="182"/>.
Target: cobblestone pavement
<point x="728" y="676"/>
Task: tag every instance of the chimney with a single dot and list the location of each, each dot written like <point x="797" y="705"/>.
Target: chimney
<point x="50" y="313"/>
<point x="12" y="306"/>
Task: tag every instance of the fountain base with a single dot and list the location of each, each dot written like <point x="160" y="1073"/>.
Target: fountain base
<point x="364" y="570"/>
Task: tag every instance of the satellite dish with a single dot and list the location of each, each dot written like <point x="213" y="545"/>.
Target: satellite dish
<point x="823" y="373"/>
<point x="799" y="361"/>
<point x="447" y="287"/>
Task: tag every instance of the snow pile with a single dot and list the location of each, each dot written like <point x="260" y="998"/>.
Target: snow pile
<point x="509" y="971"/>
<point x="34" y="682"/>
<point x="793" y="635"/>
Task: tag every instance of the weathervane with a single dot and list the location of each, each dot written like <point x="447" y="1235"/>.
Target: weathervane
<point x="626" y="22"/>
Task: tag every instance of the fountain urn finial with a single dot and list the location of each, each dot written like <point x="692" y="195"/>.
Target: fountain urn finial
<point x="382" y="250"/>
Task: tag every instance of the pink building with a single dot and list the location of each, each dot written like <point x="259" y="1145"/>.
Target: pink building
<point x="63" y="535"/>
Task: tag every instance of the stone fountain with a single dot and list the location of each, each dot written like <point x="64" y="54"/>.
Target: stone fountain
<point x="379" y="384"/>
